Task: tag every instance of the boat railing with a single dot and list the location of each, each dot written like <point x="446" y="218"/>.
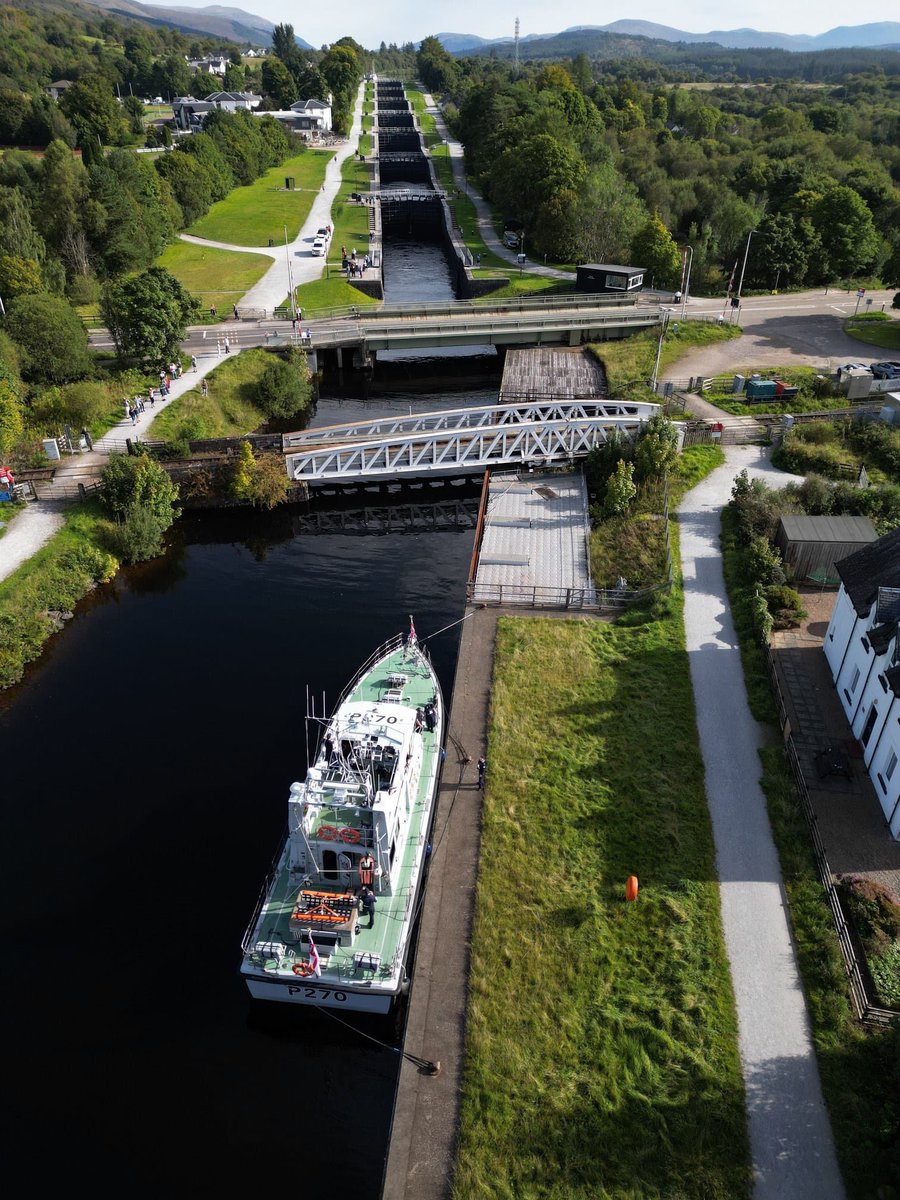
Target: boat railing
<point x="388" y="647"/>
<point x="271" y="875"/>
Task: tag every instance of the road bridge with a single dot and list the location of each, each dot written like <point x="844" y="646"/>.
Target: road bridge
<point x="458" y="441"/>
<point x="586" y="319"/>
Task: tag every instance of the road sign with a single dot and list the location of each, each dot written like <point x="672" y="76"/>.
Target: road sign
<point x="861" y="292"/>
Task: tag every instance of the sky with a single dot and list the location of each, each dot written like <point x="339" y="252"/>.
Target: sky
<point x="410" y="20"/>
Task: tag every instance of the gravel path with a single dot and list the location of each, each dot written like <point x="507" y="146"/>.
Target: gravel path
<point x="27" y="532"/>
<point x="791" y="1145"/>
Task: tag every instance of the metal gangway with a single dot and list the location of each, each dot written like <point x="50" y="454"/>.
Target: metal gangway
<point x="458" y="441"/>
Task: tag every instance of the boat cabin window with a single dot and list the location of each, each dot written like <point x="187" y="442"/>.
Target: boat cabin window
<point x="329" y="865"/>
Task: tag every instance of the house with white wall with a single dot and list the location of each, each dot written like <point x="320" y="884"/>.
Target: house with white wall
<point x="862" y="646"/>
<point x="313" y="114"/>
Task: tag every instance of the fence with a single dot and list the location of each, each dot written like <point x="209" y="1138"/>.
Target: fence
<point x="870" y="1014"/>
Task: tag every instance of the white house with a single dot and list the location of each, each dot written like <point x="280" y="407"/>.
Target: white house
<point x="216" y="64"/>
<point x="232" y="101"/>
<point x="313" y="114"/>
<point x="862" y="646"/>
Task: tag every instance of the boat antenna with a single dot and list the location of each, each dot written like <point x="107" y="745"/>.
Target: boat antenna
<point x="306" y="725"/>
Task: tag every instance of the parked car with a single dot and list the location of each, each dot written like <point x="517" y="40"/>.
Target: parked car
<point x="323" y="234"/>
<point x="886" y="370"/>
<point x="318" y="248"/>
<point x="511" y="239"/>
<point x="845" y="367"/>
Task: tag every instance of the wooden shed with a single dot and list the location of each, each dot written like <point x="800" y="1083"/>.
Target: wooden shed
<point x="810" y="546"/>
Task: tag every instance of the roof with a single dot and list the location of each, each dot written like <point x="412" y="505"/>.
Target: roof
<point x="299" y="105"/>
<point x="882" y="635"/>
<point x="828" y="529"/>
<point x="60" y="83"/>
<point x="893" y="680"/>
<point x="612" y="267"/>
<point x="864" y="571"/>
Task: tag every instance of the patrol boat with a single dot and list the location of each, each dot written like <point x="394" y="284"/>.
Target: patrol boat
<point x="358" y="824"/>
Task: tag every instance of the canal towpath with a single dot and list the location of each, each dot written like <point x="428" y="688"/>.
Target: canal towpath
<point x="791" y="1144"/>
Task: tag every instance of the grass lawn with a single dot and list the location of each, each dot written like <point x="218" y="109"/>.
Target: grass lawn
<point x="601" y="1056"/>
<point x="878" y="329"/>
<point x="629" y="361"/>
<point x="317" y="298"/>
<point x="227" y="411"/>
<point x="214" y="276"/>
<point x="249" y="216"/>
<point x="350" y="220"/>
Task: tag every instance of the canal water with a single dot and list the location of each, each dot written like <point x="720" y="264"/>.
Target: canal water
<point x="147" y="760"/>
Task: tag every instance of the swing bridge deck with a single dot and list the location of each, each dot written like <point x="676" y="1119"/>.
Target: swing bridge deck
<point x="459" y="441"/>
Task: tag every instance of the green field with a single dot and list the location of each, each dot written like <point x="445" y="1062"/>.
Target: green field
<point x="249" y="216"/>
<point x="318" y="298"/>
<point x="629" y="361"/>
<point x="601" y="1055"/>
<point x="214" y="276"/>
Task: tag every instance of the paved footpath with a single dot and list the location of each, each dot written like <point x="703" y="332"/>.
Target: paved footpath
<point x="791" y="1145"/>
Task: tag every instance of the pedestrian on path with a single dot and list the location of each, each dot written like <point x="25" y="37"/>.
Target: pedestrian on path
<point x="193" y="362"/>
<point x="227" y="347"/>
<point x="482" y="771"/>
<point x="127" y="409"/>
<point x="204" y="388"/>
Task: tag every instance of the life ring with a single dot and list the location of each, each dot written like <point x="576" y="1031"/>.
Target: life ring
<point x="303" y="969"/>
<point x="327" y="833"/>
<point x="349" y="835"/>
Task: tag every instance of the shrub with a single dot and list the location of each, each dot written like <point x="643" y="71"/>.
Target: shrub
<point x="761" y="617"/>
<point x="657" y="448"/>
<point x="764" y="562"/>
<point x="51" y="338"/>
<point x="758" y="508"/>
<point x="139" y="536"/>
<point x="89" y="560"/>
<point x="83" y="289"/>
<point x="285" y="387"/>
<point x="786" y="606"/>
<point x="816" y="495"/>
<point x="138" y="480"/>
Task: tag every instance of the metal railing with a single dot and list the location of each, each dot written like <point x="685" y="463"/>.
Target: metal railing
<point x="866" y="1011"/>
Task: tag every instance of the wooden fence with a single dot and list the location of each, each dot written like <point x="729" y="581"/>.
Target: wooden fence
<point x="866" y="1011"/>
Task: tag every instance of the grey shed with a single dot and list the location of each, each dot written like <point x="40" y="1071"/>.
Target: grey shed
<point x="810" y="546"/>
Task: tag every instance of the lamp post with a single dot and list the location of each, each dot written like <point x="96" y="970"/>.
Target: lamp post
<point x="744" y="265"/>
<point x="287" y="255"/>
<point x="662" y="334"/>
<point x="686" y="278"/>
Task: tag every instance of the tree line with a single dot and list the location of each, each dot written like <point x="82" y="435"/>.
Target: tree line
<point x="596" y="168"/>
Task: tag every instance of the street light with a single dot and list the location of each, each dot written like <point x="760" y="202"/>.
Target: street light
<point x="287" y="255"/>
<point x="744" y="265"/>
<point x="686" y="278"/>
<point x="662" y="334"/>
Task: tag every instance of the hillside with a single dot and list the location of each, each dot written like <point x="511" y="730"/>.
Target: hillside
<point x="232" y="24"/>
<point x="872" y="36"/>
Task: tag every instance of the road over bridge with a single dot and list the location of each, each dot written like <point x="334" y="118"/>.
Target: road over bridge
<point x="458" y="441"/>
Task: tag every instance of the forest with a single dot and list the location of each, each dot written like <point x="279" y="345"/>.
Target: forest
<point x="595" y="165"/>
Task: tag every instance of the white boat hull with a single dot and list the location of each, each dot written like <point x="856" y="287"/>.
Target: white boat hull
<point x="321" y="996"/>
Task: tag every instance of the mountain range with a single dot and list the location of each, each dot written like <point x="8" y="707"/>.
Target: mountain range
<point x="878" y="34"/>
<point x="231" y="24"/>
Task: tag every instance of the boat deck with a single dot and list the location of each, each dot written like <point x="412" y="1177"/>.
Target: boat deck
<point x="386" y="936"/>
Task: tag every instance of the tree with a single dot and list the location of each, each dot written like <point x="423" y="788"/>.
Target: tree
<point x="12" y="420"/>
<point x="147" y="314"/>
<point x="278" y="83"/>
<point x="136" y="480"/>
<point x="134" y="110"/>
<point x="620" y="490"/>
<point x="844" y="223"/>
<point x="52" y="340"/>
<point x="19" y="277"/>
<point x="92" y="108"/>
<point x="190" y="182"/>
<point x="17" y="234"/>
<point x="657" y="448"/>
<point x="285" y="388"/>
<point x="654" y="249"/>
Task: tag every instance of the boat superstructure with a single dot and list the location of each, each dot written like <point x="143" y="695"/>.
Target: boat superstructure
<point x="361" y="818"/>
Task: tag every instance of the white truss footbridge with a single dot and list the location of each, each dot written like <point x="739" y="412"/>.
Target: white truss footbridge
<point x="459" y="441"/>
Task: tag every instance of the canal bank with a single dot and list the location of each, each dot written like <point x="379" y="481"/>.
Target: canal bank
<point x="426" y="1109"/>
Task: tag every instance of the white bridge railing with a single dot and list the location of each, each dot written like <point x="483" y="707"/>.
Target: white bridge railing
<point x="471" y="418"/>
<point x="543" y="434"/>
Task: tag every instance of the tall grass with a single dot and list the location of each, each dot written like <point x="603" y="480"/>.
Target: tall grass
<point x="602" y="1051"/>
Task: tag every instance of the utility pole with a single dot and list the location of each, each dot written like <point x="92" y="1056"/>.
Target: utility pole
<point x="662" y="334"/>
<point x="687" y="264"/>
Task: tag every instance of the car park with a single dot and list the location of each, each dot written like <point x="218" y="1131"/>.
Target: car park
<point x="318" y="248"/>
<point x="886" y="370"/>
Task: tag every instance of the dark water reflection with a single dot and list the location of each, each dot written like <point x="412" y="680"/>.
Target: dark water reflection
<point x="146" y="765"/>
